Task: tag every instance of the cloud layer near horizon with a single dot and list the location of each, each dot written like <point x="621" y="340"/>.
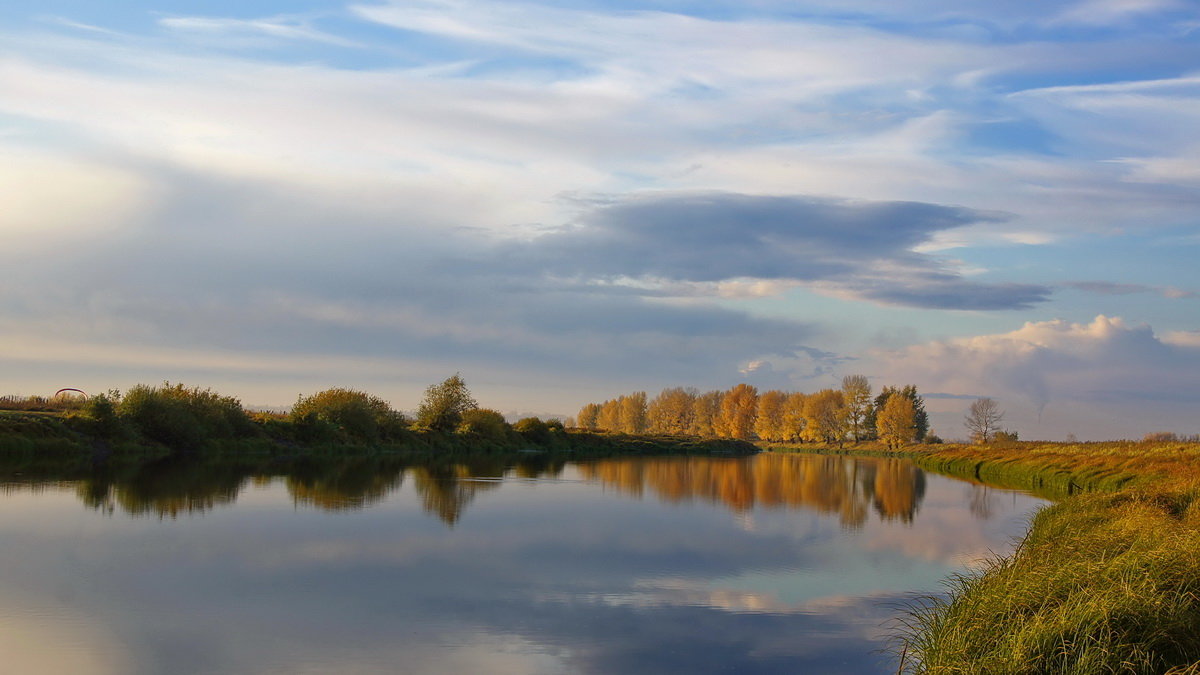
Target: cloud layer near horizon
<point x="1052" y="369"/>
<point x="632" y="197"/>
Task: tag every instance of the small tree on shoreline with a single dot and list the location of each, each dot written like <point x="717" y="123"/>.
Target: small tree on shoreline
<point x="444" y="404"/>
<point x="983" y="420"/>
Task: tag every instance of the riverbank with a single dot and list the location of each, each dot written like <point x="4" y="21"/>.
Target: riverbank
<point x="51" y="442"/>
<point x="1106" y="580"/>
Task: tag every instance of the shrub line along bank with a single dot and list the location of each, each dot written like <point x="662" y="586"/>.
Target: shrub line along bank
<point x="148" y="423"/>
<point x="50" y="440"/>
<point x="1107" y="580"/>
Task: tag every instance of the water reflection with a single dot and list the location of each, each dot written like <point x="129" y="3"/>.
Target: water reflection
<point x="851" y="488"/>
<point x="344" y="485"/>
<point x="164" y="489"/>
<point x="769" y="564"/>
<point x="847" y="487"/>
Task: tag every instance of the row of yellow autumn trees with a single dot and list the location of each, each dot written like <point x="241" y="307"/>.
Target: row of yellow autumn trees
<point x="895" y="416"/>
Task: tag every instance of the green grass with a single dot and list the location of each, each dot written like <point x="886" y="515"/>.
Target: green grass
<point x="1107" y="580"/>
<point x="1103" y="583"/>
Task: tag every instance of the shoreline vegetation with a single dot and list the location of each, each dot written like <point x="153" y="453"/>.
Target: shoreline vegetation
<point x="149" y="423"/>
<point x="1107" y="579"/>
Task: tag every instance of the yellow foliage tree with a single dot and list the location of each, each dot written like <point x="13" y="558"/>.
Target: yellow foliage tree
<point x="856" y="393"/>
<point x="588" y="416"/>
<point x="738" y="409"/>
<point x="633" y="413"/>
<point x="705" y="410"/>
<point x="609" y="418"/>
<point x="825" y="417"/>
<point x="791" y="422"/>
<point x="896" y="423"/>
<point x="769" y="422"/>
<point x="672" y="411"/>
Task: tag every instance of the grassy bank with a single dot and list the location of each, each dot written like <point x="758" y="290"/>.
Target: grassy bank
<point x="1106" y="581"/>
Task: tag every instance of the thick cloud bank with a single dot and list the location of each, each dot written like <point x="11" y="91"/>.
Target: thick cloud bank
<point x="858" y="249"/>
<point x="1100" y="379"/>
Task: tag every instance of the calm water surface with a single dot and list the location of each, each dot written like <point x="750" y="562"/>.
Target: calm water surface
<point x="769" y="564"/>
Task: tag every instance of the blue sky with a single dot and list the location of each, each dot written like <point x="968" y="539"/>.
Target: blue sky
<point x="566" y="201"/>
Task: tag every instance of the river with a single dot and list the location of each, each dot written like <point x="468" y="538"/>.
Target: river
<point x="777" y="563"/>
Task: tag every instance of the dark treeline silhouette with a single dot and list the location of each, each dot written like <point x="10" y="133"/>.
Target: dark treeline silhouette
<point x="829" y="416"/>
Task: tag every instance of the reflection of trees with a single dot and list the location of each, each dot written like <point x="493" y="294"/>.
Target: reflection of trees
<point x="338" y="486"/>
<point x="446" y="489"/>
<point x="164" y="489"/>
<point x="849" y="488"/>
<point x="981" y="502"/>
<point x="333" y="484"/>
<point x="539" y="465"/>
<point x="836" y="485"/>
<point x="178" y="487"/>
<point x="899" y="488"/>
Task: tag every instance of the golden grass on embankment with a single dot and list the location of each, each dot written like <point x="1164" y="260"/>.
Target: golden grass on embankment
<point x="1106" y="581"/>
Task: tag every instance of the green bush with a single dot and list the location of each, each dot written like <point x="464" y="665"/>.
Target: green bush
<point x="100" y="413"/>
<point x="1006" y="437"/>
<point x="483" y="422"/>
<point x="182" y="417"/>
<point x="354" y="413"/>
<point x="533" y="429"/>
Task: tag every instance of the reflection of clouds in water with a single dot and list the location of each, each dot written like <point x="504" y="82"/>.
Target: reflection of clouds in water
<point x="951" y="532"/>
<point x="46" y="637"/>
<point x="745" y="521"/>
<point x="478" y="653"/>
<point x="947" y="529"/>
<point x="649" y="593"/>
<point x="48" y="508"/>
<point x="571" y="576"/>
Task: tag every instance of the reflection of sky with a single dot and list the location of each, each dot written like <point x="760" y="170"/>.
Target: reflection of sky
<point x="560" y="576"/>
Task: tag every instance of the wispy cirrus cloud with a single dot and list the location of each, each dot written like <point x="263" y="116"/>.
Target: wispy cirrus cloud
<point x="276" y="27"/>
<point x="1111" y="288"/>
<point x="1109" y="12"/>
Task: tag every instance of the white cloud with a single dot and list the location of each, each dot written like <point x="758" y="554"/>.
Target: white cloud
<point x="1179" y="170"/>
<point x="654" y="99"/>
<point x="1124" y="379"/>
<point x="49" y="197"/>
<point x="1105" y="12"/>
<point x="348" y="174"/>
<point x="1183" y="338"/>
<point x="281" y="27"/>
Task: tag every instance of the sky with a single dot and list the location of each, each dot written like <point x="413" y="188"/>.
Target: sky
<point x="568" y="201"/>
